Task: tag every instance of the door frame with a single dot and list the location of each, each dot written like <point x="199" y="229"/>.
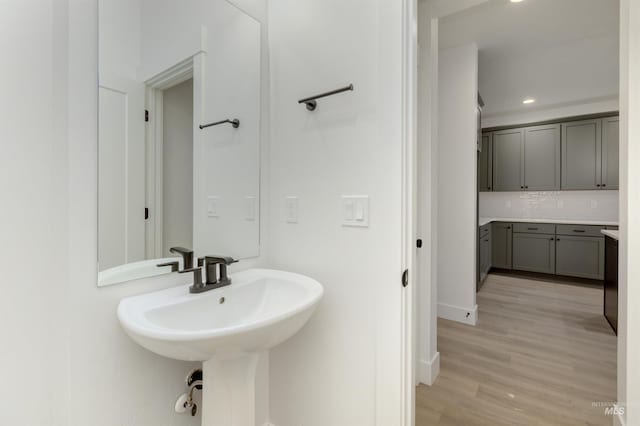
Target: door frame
<point x="409" y="207"/>
<point x="154" y="99"/>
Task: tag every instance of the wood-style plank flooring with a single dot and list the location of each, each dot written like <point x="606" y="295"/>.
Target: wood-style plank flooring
<point x="541" y="354"/>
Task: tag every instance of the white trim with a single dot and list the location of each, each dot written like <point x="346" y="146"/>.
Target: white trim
<point x="458" y="313"/>
<point x="428" y="370"/>
<point x="409" y="197"/>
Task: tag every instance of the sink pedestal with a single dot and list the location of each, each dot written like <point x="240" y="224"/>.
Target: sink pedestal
<point x="229" y="391"/>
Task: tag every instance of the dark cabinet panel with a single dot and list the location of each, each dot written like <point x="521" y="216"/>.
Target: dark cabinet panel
<point x="611" y="283"/>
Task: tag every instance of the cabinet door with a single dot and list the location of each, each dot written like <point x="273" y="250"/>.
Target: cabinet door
<point x="534" y="253"/>
<point x="508" y="153"/>
<point x="610" y="157"/>
<point x="485" y="255"/>
<point x="581" y="257"/>
<point x="611" y="283"/>
<point x="501" y="233"/>
<point x="484" y="164"/>
<point x="542" y="158"/>
<point x="581" y="154"/>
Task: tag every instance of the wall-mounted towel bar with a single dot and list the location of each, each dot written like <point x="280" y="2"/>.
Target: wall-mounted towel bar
<point x="235" y="123"/>
<point x="311" y="100"/>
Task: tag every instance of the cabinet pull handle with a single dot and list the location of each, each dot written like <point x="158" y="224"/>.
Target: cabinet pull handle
<point x="532" y="229"/>
<point x="557" y="239"/>
<point x="551" y="239"/>
<point x="598" y="185"/>
<point x="578" y="230"/>
<point x="604" y="184"/>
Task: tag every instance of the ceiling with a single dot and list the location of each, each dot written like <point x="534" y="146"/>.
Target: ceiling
<point x="556" y="51"/>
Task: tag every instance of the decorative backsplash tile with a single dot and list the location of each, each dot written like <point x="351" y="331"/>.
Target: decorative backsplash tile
<point x="567" y="205"/>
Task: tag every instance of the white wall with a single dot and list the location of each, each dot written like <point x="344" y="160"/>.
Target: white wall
<point x="565" y="205"/>
<point x="629" y="246"/>
<point x="341" y="368"/>
<point x="457" y="190"/>
<point x="33" y="217"/>
<point x="428" y="358"/>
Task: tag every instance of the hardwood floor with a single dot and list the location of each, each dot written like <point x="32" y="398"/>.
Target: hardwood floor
<point x="541" y="354"/>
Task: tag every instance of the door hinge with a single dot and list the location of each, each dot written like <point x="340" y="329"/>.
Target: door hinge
<point x="146" y="115"/>
<point x="146" y="213"/>
<point x="405" y="278"/>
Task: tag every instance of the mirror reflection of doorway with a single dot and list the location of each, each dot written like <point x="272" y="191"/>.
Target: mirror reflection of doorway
<point x="177" y="167"/>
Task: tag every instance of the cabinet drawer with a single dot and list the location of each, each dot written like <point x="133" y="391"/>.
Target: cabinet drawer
<point x="484" y="230"/>
<point x="579" y="230"/>
<point x="534" y="228"/>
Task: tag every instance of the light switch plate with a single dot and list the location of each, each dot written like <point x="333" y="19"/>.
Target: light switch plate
<point x="250" y="208"/>
<point x="213" y="206"/>
<point x="291" y="209"/>
<point x="355" y="210"/>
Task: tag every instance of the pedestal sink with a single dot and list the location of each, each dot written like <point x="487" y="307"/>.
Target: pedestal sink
<point x="226" y="329"/>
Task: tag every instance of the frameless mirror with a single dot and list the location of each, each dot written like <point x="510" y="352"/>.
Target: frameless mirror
<point x="179" y="134"/>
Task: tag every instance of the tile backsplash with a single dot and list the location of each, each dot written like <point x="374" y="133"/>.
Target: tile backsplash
<point x="566" y="205"/>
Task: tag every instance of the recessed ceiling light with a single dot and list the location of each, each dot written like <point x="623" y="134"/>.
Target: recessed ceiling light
<point x="528" y="101"/>
<point x="516" y="1"/>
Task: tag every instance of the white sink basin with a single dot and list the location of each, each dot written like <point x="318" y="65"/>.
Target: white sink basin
<point x="227" y="328"/>
<point x="259" y="310"/>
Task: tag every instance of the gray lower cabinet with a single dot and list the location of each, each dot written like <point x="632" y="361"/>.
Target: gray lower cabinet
<point x="484" y="254"/>
<point x="485" y="159"/>
<point x="508" y="152"/>
<point x="581" y="257"/>
<point x="534" y="253"/>
<point x="542" y="158"/>
<point x="501" y="241"/>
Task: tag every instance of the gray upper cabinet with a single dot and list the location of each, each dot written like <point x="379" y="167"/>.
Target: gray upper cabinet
<point x="590" y="154"/>
<point x="581" y="154"/>
<point x="575" y="155"/>
<point x="534" y="253"/>
<point x="485" y="159"/>
<point x="501" y="240"/>
<point x="610" y="156"/>
<point x="542" y="158"/>
<point x="580" y="256"/>
<point x="508" y="156"/>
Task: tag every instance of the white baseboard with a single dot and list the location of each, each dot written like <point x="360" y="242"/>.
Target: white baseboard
<point x="458" y="313"/>
<point x="428" y="370"/>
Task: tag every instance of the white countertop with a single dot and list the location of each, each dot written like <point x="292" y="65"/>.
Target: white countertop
<point x="484" y="220"/>
<point x="611" y="233"/>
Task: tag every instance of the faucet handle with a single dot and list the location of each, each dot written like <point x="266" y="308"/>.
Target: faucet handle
<point x="174" y="265"/>
<point x="187" y="256"/>
<point x="226" y="260"/>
